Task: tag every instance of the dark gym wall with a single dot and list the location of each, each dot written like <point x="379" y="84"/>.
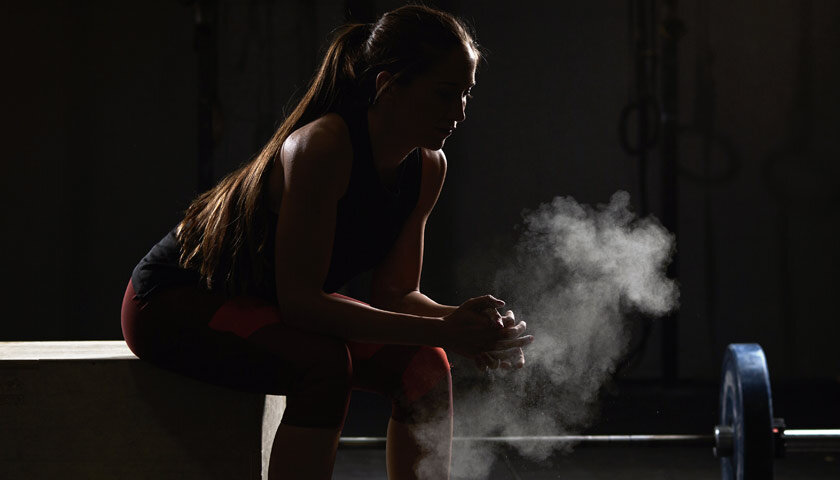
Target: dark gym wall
<point x="100" y="155"/>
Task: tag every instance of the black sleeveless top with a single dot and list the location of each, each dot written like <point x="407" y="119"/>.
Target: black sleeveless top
<point x="369" y="220"/>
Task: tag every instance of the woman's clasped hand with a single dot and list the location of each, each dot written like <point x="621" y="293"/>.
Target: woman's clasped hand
<point x="477" y="330"/>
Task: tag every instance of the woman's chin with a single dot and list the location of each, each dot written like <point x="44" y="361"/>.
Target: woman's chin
<point x="435" y="144"/>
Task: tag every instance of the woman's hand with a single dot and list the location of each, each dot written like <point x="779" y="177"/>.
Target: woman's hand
<point x="471" y="330"/>
<point x="506" y="358"/>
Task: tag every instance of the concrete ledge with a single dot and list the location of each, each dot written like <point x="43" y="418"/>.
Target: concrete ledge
<point x="92" y="410"/>
<point x="103" y="350"/>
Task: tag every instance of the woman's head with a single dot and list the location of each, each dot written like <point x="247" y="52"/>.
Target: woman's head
<point x="426" y="109"/>
<point x="417" y="65"/>
<point x="403" y="44"/>
<point x="408" y="42"/>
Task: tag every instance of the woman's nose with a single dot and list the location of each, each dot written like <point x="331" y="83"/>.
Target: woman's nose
<point x="459" y="112"/>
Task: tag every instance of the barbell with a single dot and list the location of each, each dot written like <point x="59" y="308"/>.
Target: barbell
<point x="747" y="438"/>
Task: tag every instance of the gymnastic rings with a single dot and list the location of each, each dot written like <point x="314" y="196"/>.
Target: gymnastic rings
<point x="649" y="107"/>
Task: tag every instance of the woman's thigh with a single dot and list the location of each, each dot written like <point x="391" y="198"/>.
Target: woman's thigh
<point x="240" y="343"/>
<point x="244" y="343"/>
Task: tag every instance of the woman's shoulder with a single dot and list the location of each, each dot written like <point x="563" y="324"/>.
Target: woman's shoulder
<point x="327" y="134"/>
<point x="318" y="154"/>
<point x="434" y="164"/>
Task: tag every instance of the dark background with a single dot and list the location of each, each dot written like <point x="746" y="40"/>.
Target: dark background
<point x="100" y="152"/>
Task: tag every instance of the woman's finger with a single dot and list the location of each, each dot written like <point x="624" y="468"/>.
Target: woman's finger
<point x="492" y="362"/>
<point x="480" y="303"/>
<point x="518" y="359"/>
<point x="512" y="343"/>
<point x="514" y="331"/>
<point x="509" y="320"/>
<point x="494" y="316"/>
<point x="512" y="358"/>
<point x="496" y="363"/>
<point x="507" y="353"/>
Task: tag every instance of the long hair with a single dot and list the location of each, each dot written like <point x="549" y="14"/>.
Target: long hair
<point x="225" y="234"/>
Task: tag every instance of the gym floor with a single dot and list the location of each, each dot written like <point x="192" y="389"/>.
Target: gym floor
<point x="632" y="407"/>
<point x="602" y="463"/>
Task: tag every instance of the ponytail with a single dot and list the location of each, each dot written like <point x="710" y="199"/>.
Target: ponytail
<point x="224" y="235"/>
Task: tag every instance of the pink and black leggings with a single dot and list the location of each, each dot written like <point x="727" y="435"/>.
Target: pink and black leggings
<point x="243" y="343"/>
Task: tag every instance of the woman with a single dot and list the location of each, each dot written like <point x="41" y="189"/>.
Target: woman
<point x="241" y="292"/>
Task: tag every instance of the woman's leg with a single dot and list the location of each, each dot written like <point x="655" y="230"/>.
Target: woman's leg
<point x="418" y="381"/>
<point x="306" y="440"/>
<point x="421" y="451"/>
<point x="303" y="453"/>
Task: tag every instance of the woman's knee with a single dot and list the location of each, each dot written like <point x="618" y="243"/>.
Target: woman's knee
<point x="426" y="389"/>
<point x="428" y="370"/>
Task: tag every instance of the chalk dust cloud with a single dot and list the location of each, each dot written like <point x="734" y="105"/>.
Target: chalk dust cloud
<point x="575" y="274"/>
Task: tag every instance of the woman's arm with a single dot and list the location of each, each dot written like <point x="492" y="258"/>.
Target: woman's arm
<point x="396" y="281"/>
<point x="417" y="303"/>
<point x="316" y="162"/>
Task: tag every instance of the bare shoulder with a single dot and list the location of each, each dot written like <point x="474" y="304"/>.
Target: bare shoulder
<point x="434" y="166"/>
<point x="325" y="139"/>
<point x="431" y="182"/>
<point x="319" y="153"/>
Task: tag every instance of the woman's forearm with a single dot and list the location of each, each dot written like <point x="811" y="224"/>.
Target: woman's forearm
<point x="416" y="303"/>
<point x="349" y="320"/>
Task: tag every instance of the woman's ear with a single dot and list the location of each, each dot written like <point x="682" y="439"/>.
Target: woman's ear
<point x="383" y="80"/>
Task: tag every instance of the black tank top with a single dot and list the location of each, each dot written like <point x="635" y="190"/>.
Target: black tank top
<point x="369" y="220"/>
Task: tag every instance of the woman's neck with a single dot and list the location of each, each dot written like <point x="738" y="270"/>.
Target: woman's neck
<point x="388" y="143"/>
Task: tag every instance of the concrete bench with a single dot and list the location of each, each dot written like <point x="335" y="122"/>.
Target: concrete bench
<point x="93" y="410"/>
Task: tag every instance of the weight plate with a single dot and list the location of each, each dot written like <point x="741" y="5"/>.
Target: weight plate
<point x="746" y="405"/>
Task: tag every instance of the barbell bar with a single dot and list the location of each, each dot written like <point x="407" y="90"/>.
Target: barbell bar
<point x="817" y="440"/>
<point x="747" y="439"/>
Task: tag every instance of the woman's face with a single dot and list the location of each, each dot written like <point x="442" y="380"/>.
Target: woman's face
<point x="432" y="105"/>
